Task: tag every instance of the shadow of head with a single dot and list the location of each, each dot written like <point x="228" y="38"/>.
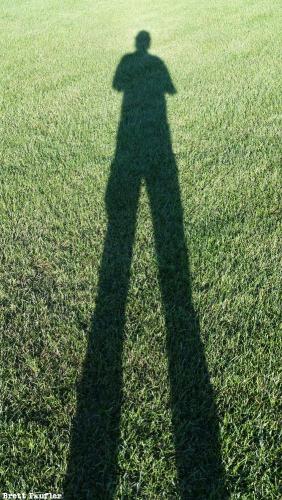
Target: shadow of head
<point x="142" y="41"/>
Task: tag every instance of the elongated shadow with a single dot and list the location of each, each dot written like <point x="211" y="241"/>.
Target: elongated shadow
<point x="144" y="151"/>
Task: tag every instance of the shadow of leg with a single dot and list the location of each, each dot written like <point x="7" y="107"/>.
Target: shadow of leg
<point x="194" y="416"/>
<point x="92" y="469"/>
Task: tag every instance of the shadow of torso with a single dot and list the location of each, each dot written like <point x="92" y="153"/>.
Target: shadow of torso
<point x="143" y="134"/>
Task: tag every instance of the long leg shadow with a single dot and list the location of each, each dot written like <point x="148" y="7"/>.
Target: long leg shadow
<point x="144" y="151"/>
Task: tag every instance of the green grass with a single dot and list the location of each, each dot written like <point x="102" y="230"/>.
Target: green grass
<point x="189" y="408"/>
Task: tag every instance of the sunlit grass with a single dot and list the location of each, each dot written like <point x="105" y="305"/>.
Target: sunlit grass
<point x="59" y="117"/>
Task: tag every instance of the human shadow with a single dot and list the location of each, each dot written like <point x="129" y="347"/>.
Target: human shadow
<point x="144" y="152"/>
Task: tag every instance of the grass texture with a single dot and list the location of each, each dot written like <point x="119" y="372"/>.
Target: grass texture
<point x="140" y="258"/>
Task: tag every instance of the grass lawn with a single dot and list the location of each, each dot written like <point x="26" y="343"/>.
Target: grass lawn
<point x="140" y="259"/>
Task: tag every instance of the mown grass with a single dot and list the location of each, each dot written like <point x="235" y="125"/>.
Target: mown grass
<point x="58" y="129"/>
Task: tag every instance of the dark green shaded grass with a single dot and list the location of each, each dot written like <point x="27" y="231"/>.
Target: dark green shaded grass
<point x="59" y="117"/>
